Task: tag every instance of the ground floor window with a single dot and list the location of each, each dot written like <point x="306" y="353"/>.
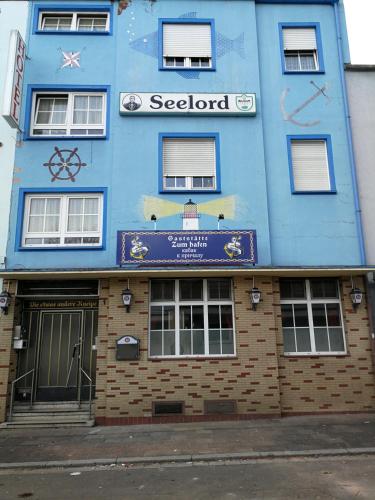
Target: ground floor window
<point x="311" y="316"/>
<point x="191" y="317"/>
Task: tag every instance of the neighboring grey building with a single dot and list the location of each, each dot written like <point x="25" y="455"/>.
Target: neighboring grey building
<point x="13" y="15"/>
<point x="361" y="91"/>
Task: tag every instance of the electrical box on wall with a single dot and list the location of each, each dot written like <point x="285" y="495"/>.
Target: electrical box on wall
<point x="127" y="348"/>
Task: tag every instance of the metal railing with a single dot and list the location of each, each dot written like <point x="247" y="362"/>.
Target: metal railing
<point x="90" y="391"/>
<point x="12" y="391"/>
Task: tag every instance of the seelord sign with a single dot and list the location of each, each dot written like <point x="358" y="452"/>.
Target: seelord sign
<point x="186" y="247"/>
<point x="142" y="103"/>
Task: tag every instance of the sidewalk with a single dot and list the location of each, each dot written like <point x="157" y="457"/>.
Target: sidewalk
<point x="266" y="438"/>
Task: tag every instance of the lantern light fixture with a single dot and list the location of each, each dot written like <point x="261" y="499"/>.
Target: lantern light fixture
<point x="5" y="300"/>
<point x="127" y="297"/>
<point x="255" y="296"/>
<point x="356" y="295"/>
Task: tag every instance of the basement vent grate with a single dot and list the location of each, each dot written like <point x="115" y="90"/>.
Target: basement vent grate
<point x="168" y="408"/>
<point x="214" y="407"/>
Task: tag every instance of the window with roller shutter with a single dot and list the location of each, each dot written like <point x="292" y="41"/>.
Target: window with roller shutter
<point x="311" y="167"/>
<point x="189" y="163"/>
<point x="301" y="48"/>
<point x="187" y="45"/>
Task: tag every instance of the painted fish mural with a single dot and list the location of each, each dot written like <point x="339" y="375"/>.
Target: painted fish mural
<point x="148" y="45"/>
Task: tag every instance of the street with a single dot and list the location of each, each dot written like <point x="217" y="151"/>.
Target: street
<point x="315" y="479"/>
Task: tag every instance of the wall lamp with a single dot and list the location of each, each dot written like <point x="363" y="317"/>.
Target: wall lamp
<point x="5" y="300"/>
<point x="255" y="296"/>
<point x="127" y="297"/>
<point x="154" y="219"/>
<point x="356" y="296"/>
<point x="220" y="217"/>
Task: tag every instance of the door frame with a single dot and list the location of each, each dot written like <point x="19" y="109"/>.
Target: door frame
<point x="39" y="350"/>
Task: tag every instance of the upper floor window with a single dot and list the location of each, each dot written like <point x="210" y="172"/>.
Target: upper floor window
<point x="311" y="316"/>
<point x="187" y="45"/>
<point x="311" y="164"/>
<point x="68" y="114"/>
<point x="301" y="48"/>
<point x="76" y="21"/>
<point x="54" y="220"/>
<point x="189" y="163"/>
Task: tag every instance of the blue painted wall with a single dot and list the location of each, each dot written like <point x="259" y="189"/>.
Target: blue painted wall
<point x="297" y="230"/>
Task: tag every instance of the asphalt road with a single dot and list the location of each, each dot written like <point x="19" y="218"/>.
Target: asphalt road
<point x="307" y="479"/>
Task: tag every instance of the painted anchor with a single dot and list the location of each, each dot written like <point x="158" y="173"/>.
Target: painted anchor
<point x="61" y="170"/>
<point x="290" y="116"/>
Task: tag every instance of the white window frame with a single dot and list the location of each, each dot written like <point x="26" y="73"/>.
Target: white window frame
<point x="309" y="301"/>
<point x="205" y="302"/>
<point x="187" y="63"/>
<point x="69" y="125"/>
<point x="299" y="54"/>
<point x="63" y="232"/>
<point x="74" y="25"/>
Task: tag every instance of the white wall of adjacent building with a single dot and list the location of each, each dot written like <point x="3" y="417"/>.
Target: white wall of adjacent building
<point x="361" y="91"/>
<point x="13" y="15"/>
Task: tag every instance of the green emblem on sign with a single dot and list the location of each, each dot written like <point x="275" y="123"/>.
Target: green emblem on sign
<point x="244" y="102"/>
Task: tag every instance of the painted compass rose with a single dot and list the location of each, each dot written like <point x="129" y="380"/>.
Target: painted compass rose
<point x="64" y="164"/>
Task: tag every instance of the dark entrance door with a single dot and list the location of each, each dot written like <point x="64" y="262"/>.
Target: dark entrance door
<point x="60" y="351"/>
<point x="59" y="356"/>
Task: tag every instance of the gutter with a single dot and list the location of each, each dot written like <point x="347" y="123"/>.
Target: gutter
<point x="349" y="139"/>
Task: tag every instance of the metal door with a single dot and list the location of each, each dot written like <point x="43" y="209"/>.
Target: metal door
<point x="60" y="345"/>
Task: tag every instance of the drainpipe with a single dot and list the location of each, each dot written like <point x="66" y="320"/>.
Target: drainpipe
<point x="349" y="139"/>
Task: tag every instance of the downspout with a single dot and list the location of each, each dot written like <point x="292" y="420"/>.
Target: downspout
<point x="349" y="139"/>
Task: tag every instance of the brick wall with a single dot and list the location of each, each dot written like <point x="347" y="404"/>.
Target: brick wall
<point x="7" y="354"/>
<point x="330" y="383"/>
<point x="127" y="389"/>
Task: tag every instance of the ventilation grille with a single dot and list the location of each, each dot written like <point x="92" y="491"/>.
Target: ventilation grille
<point x="168" y="408"/>
<point x="220" y="407"/>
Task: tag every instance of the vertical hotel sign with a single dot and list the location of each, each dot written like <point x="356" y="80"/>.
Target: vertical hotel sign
<point x="14" y="79"/>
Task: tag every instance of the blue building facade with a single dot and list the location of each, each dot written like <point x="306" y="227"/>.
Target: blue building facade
<point x="144" y="118"/>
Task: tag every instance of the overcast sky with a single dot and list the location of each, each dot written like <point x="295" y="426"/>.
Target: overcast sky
<point x="360" y="17"/>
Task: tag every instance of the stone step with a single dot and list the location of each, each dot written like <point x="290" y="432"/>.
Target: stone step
<point x="46" y="425"/>
<point x="50" y="414"/>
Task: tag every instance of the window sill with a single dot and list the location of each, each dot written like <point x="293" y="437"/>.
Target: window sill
<point x="314" y="354"/>
<point x="187" y="191"/>
<point x="184" y="68"/>
<point x="309" y="72"/>
<point x="315" y="192"/>
<point x="62" y="248"/>
<point x="68" y="32"/>
<point x="65" y="137"/>
<point x="193" y="358"/>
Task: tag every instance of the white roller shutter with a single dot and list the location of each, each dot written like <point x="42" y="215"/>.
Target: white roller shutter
<point x="310" y="166"/>
<point x="299" y="38"/>
<point x="187" y="40"/>
<point x="184" y="157"/>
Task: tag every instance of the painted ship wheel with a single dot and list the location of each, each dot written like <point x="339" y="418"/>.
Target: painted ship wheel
<point x="64" y="164"/>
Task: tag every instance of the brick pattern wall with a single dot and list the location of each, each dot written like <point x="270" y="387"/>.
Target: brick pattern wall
<point x="330" y="383"/>
<point x="127" y="389"/>
<point x="7" y="354"/>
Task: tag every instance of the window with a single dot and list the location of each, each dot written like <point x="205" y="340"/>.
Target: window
<point x="311" y="316"/>
<point x="189" y="163"/>
<point x="301" y="48"/>
<point x="191" y="317"/>
<point x="62" y="220"/>
<point x="85" y="21"/>
<point x="187" y="44"/>
<point x="69" y="114"/>
<point x="311" y="164"/>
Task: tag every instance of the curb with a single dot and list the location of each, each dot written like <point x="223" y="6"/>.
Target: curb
<point x="189" y="459"/>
